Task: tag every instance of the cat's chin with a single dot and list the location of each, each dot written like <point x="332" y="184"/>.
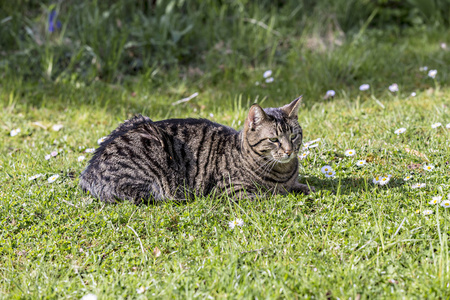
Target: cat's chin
<point x="284" y="160"/>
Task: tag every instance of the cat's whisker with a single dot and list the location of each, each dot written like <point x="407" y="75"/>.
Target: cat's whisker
<point x="268" y="166"/>
<point x="263" y="166"/>
<point x="265" y="169"/>
<point x="267" y="161"/>
<point x="271" y="167"/>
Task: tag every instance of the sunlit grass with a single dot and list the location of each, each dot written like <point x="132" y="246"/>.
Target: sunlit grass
<point x="353" y="237"/>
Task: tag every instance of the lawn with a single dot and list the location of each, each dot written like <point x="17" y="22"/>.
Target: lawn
<point x="353" y="238"/>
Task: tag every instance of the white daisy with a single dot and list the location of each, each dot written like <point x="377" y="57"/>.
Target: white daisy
<point x="303" y="155"/>
<point x="445" y="203"/>
<point x="47" y="157"/>
<point x="423" y="69"/>
<point x="377" y="179"/>
<point x="360" y="163"/>
<point x="326" y="169"/>
<point x="57" y="127"/>
<point x="101" y="140"/>
<point x="269" y="80"/>
<point x="237" y="222"/>
<point x="350" y="152"/>
<point x="89" y="297"/>
<point x="443" y="46"/>
<point x="418" y="185"/>
<point x="435" y="200"/>
<point x="407" y="178"/>
<point x="54" y="153"/>
<point x="447" y="126"/>
<point x="330" y="174"/>
<point x="90" y="150"/>
<point x="400" y="130"/>
<point x="81" y="158"/>
<point x="140" y="290"/>
<point x="53" y="178"/>
<point x="267" y="74"/>
<point x="14" y="132"/>
<point x="330" y="93"/>
<point x="364" y="87"/>
<point x="393" y="87"/>
<point x="436" y="125"/>
<point x="35" y="177"/>
<point x="427" y="212"/>
<point x="432" y="73"/>
<point x="384" y="180"/>
<point x="428" y="168"/>
<point x="413" y="94"/>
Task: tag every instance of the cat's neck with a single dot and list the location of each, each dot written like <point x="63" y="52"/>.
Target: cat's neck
<point x="286" y="167"/>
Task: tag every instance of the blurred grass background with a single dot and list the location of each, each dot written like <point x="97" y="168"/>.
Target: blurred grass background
<point x="178" y="47"/>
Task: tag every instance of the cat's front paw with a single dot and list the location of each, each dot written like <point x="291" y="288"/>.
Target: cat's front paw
<point x="304" y="189"/>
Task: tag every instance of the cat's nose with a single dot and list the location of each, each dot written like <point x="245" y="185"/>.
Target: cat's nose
<point x="288" y="152"/>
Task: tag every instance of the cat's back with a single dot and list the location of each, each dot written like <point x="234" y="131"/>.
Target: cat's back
<point x="200" y="141"/>
<point x="190" y="130"/>
<point x="206" y="150"/>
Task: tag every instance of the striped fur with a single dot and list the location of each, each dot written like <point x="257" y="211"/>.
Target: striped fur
<point x="146" y="161"/>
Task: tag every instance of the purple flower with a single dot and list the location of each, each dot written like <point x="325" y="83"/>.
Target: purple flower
<point x="51" y="21"/>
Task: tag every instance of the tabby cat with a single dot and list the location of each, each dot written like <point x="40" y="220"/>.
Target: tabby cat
<point x="148" y="161"/>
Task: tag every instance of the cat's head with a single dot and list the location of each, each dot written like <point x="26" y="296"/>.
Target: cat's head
<point x="274" y="132"/>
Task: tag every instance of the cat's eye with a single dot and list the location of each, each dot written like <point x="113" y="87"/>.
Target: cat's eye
<point x="293" y="136"/>
<point x="273" y="140"/>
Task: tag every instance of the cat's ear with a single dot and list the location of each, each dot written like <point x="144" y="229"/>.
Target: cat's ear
<point x="291" y="109"/>
<point x="256" y="116"/>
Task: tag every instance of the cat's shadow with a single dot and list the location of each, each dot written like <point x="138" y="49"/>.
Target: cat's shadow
<point x="347" y="185"/>
<point x="342" y="186"/>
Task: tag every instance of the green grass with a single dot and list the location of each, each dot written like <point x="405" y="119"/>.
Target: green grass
<point x="350" y="238"/>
